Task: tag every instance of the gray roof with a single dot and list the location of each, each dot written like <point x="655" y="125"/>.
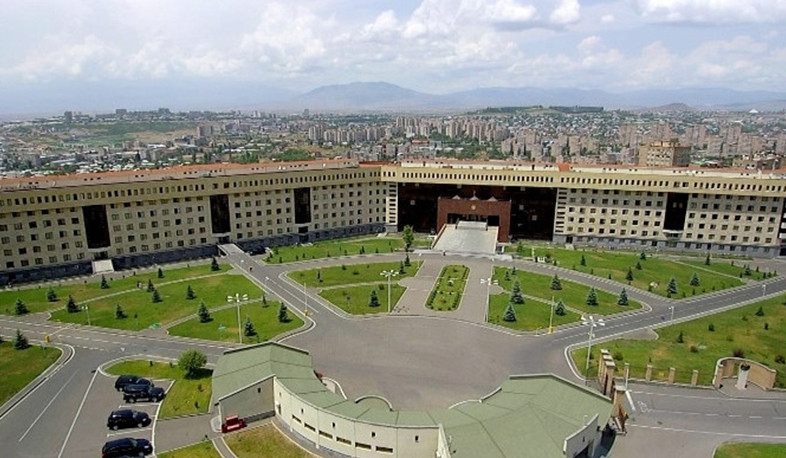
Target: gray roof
<point x="527" y="416"/>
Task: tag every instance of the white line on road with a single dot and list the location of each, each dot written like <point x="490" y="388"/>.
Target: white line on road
<point x="707" y="398"/>
<point x="73" y="422"/>
<point x="47" y="407"/>
<point x="714" y="433"/>
<point x="630" y="400"/>
<point x="134" y="430"/>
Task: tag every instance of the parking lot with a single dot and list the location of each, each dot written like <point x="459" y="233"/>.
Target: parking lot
<point x="89" y="430"/>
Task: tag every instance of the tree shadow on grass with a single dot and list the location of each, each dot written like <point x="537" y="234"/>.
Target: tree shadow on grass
<point x="200" y="374"/>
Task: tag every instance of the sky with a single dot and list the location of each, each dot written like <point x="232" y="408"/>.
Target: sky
<point x="435" y="46"/>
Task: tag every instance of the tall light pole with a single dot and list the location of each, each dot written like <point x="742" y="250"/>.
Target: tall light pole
<point x="672" y="313"/>
<point x="388" y="274"/>
<point x="590" y="321"/>
<point x="87" y="311"/>
<point x="763" y="289"/>
<point x="551" y="316"/>
<point x="488" y="282"/>
<point x="237" y="298"/>
<point x="305" y="300"/>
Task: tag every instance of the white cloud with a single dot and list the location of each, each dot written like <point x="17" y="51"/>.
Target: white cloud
<point x="712" y="11"/>
<point x="567" y="12"/>
<point x="607" y="18"/>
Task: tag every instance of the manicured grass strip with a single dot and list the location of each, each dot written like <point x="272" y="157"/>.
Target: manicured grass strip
<point x="654" y="275"/>
<point x="265" y="320"/>
<point x="186" y="396"/>
<point x="348" y="274"/>
<point x="738" y="329"/>
<point x="355" y="299"/>
<point x="447" y="292"/>
<point x="335" y="248"/>
<point x="529" y="316"/>
<point x="36" y="298"/>
<point x="141" y="312"/>
<point x="203" y="449"/>
<point x="572" y="294"/>
<point x="20" y="367"/>
<point x="263" y="442"/>
<point x="727" y="268"/>
<point x="750" y="450"/>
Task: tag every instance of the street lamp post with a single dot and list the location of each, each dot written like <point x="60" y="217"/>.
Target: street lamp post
<point x="592" y="323"/>
<point x="488" y="282"/>
<point x="87" y="311"/>
<point x="305" y="300"/>
<point x="388" y="274"/>
<point x="237" y="298"/>
<point x="551" y="316"/>
<point x="763" y="289"/>
<point x="672" y="313"/>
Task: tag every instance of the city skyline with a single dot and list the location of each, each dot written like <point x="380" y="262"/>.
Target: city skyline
<point x="434" y="46"/>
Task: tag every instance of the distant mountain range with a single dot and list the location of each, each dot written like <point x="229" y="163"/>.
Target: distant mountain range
<point x="198" y="94"/>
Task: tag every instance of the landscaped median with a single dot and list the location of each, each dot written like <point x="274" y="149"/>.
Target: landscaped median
<point x="750" y="450"/>
<point x="363" y="299"/>
<point x="336" y="248"/>
<point x="755" y="331"/>
<point x="649" y="272"/>
<point x="447" y="291"/>
<point x="187" y="396"/>
<point x="20" y="367"/>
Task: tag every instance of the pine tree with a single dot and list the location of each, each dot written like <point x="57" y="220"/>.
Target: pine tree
<point x="515" y="294"/>
<point x="694" y="280"/>
<point x="50" y="295"/>
<point x="760" y="312"/>
<point x="150" y="286"/>
<point x="643" y="256"/>
<point x="592" y="297"/>
<point x="507" y="275"/>
<point x="20" y="308"/>
<point x="190" y="294"/>
<point x="156" y="296"/>
<point x="373" y="300"/>
<point x="214" y="265"/>
<point x="319" y="276"/>
<point x="559" y="309"/>
<point x="583" y="261"/>
<point x="401" y="270"/>
<point x="204" y="314"/>
<point x="20" y="341"/>
<point x="556" y="285"/>
<point x="681" y="338"/>
<point x="629" y="275"/>
<point x="160" y="273"/>
<point x="671" y="288"/>
<point x="282" y="313"/>
<point x="638" y="265"/>
<point x="104" y="283"/>
<point x="747" y="271"/>
<point x="510" y="314"/>
<point x="514" y="271"/>
<point x="407" y="262"/>
<point x="119" y="313"/>
<point x="248" y="328"/>
<point x="623" y="299"/>
<point x="707" y="260"/>
<point x="71" y="306"/>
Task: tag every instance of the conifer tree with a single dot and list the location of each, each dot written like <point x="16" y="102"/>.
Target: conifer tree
<point x="559" y="309"/>
<point x="515" y="294"/>
<point x="214" y="265"/>
<point x="20" y="341"/>
<point x="556" y="285"/>
<point x="629" y="275"/>
<point x="592" y="297"/>
<point x="150" y="286"/>
<point x="190" y="295"/>
<point x="71" y="306"/>
<point x="623" y="299"/>
<point x="119" y="313"/>
<point x="510" y="314"/>
<point x="104" y="283"/>
<point x="20" y="308"/>
<point x="282" y="313"/>
<point x="156" y="296"/>
<point x="671" y="288"/>
<point x="373" y="300"/>
<point x="694" y="280"/>
<point x="248" y="328"/>
<point x="204" y="314"/>
<point x="50" y="295"/>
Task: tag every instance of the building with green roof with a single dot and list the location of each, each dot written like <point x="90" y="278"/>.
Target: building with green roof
<point x="530" y="415"/>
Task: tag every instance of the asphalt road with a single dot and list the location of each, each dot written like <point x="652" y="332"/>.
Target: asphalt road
<point x="414" y="361"/>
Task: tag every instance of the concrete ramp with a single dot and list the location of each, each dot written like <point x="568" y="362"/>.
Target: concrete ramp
<point x="230" y="248"/>
<point x="103" y="266"/>
<point x="467" y="237"/>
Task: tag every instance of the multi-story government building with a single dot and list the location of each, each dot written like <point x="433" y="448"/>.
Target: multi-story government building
<point x="57" y="225"/>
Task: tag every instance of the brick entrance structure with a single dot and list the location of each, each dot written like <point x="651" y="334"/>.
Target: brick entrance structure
<point x="497" y="212"/>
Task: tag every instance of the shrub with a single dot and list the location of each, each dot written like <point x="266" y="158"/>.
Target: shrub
<point x="617" y="355"/>
<point x="711" y="327"/>
<point x="681" y="338"/>
<point x="51" y="296"/>
<point x="766" y="326"/>
<point x="119" y="313"/>
<point x="191" y="362"/>
<point x="780" y="359"/>
<point x="760" y="312"/>
<point x="160" y="273"/>
<point x="694" y="349"/>
<point x="739" y="353"/>
<point x="71" y="306"/>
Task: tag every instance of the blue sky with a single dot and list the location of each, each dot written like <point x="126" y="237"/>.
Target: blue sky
<point x="435" y="46"/>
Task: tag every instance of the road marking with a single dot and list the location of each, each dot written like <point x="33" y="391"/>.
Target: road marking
<point x="47" y="406"/>
<point x="714" y="433"/>
<point x="73" y="422"/>
<point x="630" y="400"/>
<point x="129" y="430"/>
<point x="708" y="398"/>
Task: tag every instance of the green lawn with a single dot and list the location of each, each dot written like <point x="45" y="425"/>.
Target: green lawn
<point x="572" y="294"/>
<point x="336" y="248"/>
<point x="750" y="450"/>
<point x="265" y="321"/>
<point x="263" y="442"/>
<point x="355" y="299"/>
<point x="727" y="268"/>
<point x="20" y="367"/>
<point x="35" y="298"/>
<point x="203" y="449"/>
<point x="529" y="316"/>
<point x="654" y="271"/>
<point x="348" y="274"/>
<point x="212" y="290"/>
<point x="735" y="329"/>
<point x="447" y="292"/>
<point x="186" y="396"/>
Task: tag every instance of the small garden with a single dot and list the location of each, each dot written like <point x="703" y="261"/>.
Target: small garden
<point x="347" y="274"/>
<point x="20" y="363"/>
<point x="755" y="331"/>
<point x="447" y="292"/>
<point x="364" y="299"/>
<point x="190" y="393"/>
<point x="263" y="442"/>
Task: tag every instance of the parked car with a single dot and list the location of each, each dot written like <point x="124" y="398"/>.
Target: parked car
<point x="126" y="446"/>
<point x="139" y="382"/>
<point x="134" y="393"/>
<point x="125" y="380"/>
<point x="127" y="418"/>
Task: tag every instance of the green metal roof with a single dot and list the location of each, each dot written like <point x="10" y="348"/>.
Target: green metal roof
<point x="527" y="416"/>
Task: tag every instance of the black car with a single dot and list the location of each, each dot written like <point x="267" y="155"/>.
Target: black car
<point x="125" y="380"/>
<point x="134" y="393"/>
<point x="126" y="446"/>
<point x="127" y="418"/>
